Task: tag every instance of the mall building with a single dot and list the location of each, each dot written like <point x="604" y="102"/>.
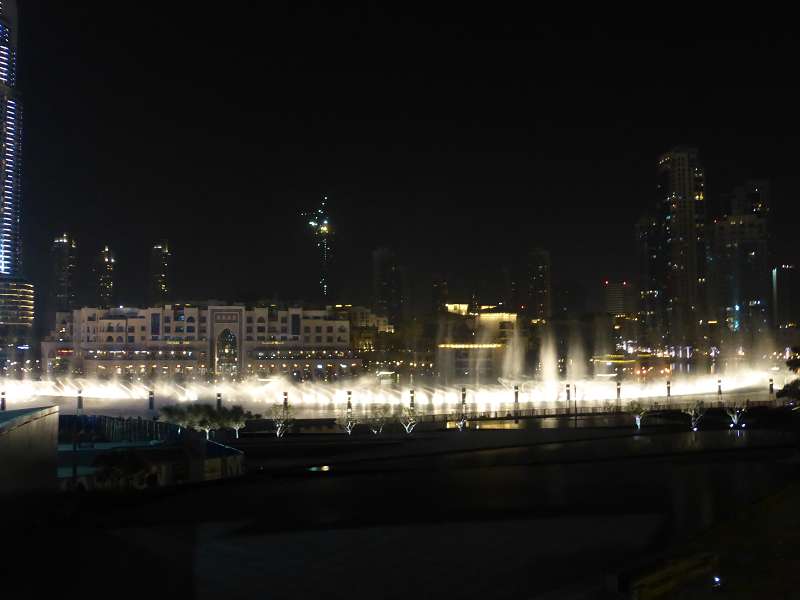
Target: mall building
<point x="197" y="341"/>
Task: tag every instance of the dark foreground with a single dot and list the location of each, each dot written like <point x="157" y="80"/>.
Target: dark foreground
<point x="439" y="515"/>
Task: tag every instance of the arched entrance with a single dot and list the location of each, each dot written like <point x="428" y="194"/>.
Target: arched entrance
<point x="227" y="354"/>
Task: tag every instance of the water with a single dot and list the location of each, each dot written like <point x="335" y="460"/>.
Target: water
<point x="330" y="399"/>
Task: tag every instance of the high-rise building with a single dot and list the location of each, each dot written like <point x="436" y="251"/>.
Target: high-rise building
<point x="62" y="288"/>
<point x="652" y="261"/>
<point x="620" y="297"/>
<point x="681" y="196"/>
<point x="387" y="286"/>
<point x="159" y="273"/>
<point x="320" y="224"/>
<point x="740" y="255"/>
<point x="16" y="294"/>
<point x="539" y="302"/>
<point x="104" y="271"/>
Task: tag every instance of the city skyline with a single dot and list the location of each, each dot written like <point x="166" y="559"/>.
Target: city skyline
<point x="504" y="169"/>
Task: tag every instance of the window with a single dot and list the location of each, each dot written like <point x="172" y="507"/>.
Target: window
<point x="319" y="339"/>
<point x="330" y="339"/>
<point x="202" y="330"/>
<point x="306" y="329"/>
<point x="179" y="317"/>
<point x="261" y="329"/>
<point x="178" y="328"/>
<point x="249" y="338"/>
<point x="262" y="338"/>
<point x="249" y="319"/>
<point x="283" y="319"/>
<point x="249" y="329"/>
<point x="190" y="329"/>
<point x="167" y="329"/>
<point x="317" y="329"/>
<point x="110" y="339"/>
<point x="131" y="329"/>
<point x="306" y="339"/>
<point x="261" y="320"/>
<point x="167" y="319"/>
<point x="154" y="338"/>
<point x="283" y="338"/>
<point x="155" y="324"/>
<point x="272" y="329"/>
<point x="142" y="328"/>
<point x="202" y="319"/>
<point x="190" y="319"/>
<point x="330" y="329"/>
<point x="131" y="339"/>
<point x="119" y="339"/>
<point x="141" y="338"/>
<point x="342" y="329"/>
<point x="283" y="329"/>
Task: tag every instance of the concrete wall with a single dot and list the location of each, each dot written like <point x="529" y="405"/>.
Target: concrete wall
<point x="28" y="447"/>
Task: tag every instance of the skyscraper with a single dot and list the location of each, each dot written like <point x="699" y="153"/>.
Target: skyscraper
<point x="741" y="278"/>
<point x="62" y="287"/>
<point x="387" y="286"/>
<point x="159" y="279"/>
<point x="16" y="294"/>
<point x="681" y="196"/>
<point x="539" y="304"/>
<point x="319" y="222"/>
<point x="104" y="272"/>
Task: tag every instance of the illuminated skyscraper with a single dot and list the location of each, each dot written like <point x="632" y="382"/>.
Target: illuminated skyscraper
<point x="682" y="210"/>
<point x="11" y="148"/>
<point x="387" y="286"/>
<point x="159" y="273"/>
<point x="318" y="220"/>
<point x="539" y="303"/>
<point x="104" y="271"/>
<point x="16" y="294"/>
<point x="62" y="286"/>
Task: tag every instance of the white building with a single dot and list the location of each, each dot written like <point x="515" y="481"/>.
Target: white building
<point x="198" y="340"/>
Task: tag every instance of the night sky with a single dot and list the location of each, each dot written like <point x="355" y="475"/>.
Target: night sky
<point x="458" y="138"/>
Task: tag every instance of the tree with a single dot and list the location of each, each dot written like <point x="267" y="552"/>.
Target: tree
<point x="409" y="418"/>
<point x="236" y="418"/>
<point x="638" y="411"/>
<point x="205" y="418"/>
<point x="736" y="415"/>
<point x="177" y="415"/>
<point x="377" y="420"/>
<point x="696" y="413"/>
<point x="281" y="417"/>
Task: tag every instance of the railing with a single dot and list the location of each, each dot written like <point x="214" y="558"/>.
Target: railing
<point x="90" y="429"/>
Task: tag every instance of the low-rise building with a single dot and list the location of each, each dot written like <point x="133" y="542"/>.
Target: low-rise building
<point x="200" y="341"/>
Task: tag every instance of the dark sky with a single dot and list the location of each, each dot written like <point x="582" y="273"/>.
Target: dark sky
<point x="459" y="138"/>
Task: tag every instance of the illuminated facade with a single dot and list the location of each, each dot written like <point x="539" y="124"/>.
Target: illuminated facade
<point x="159" y="273"/>
<point x="198" y="341"/>
<point x="16" y="294"/>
